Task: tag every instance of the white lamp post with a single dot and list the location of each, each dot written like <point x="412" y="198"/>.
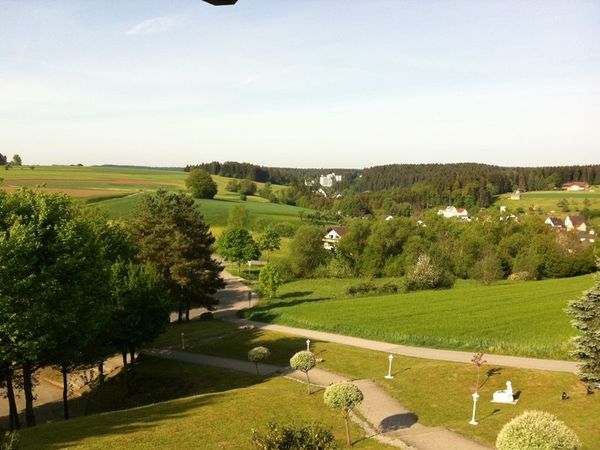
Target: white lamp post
<point x="389" y="376"/>
<point x="182" y="341"/>
<point x="475" y="398"/>
<point x="308" y="345"/>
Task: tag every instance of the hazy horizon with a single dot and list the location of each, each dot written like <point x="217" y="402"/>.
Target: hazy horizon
<point x="343" y="83"/>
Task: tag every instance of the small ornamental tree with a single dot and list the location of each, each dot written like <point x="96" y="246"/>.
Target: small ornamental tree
<point x="343" y="397"/>
<point x="257" y="355"/>
<point x="478" y="361"/>
<point x="269" y="280"/>
<point x="536" y="430"/>
<point x="585" y="313"/>
<point x="304" y="361"/>
<point x="201" y="184"/>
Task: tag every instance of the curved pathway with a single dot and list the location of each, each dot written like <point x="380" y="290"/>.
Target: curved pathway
<point x="234" y="298"/>
<point x="393" y="423"/>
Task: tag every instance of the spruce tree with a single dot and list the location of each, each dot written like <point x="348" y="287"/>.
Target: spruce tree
<point x="585" y="313"/>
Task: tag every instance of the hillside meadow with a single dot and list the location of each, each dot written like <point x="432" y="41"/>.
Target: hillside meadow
<point x="117" y="191"/>
<point x="513" y="318"/>
<point x="186" y="406"/>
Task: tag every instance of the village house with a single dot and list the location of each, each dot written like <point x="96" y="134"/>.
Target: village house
<point x="577" y="223"/>
<point x="554" y="222"/>
<point x="452" y="211"/>
<point x="576" y="186"/>
<point x="333" y="235"/>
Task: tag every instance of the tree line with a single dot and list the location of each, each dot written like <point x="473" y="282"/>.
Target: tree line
<point x="76" y="288"/>
<point x="263" y="174"/>
<point x="433" y="255"/>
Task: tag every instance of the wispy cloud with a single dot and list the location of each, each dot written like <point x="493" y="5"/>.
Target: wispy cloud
<point x="154" y="25"/>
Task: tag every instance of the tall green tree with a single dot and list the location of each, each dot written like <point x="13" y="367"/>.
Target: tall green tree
<point x="585" y="315"/>
<point x="173" y="238"/>
<point x="306" y="251"/>
<point x="141" y="306"/>
<point x="238" y="217"/>
<point x="16" y="160"/>
<point x="53" y="278"/>
<point x="237" y="245"/>
<point x="201" y="184"/>
<point x="269" y="241"/>
<point x="269" y="280"/>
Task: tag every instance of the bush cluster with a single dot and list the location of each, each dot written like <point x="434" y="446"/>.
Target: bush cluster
<point x="286" y="437"/>
<point x="368" y="287"/>
<point x="536" y="430"/>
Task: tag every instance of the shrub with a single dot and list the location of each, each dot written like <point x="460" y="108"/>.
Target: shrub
<point x="535" y="430"/>
<point x="288" y="437"/>
<point x="247" y="187"/>
<point x="284" y="229"/>
<point x="361" y="288"/>
<point x="304" y="361"/>
<point x="257" y="355"/>
<point x="426" y="275"/>
<point x="233" y="186"/>
<point x="9" y="441"/>
<point x="521" y="276"/>
<point x="344" y="397"/>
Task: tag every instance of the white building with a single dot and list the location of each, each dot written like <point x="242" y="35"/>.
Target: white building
<point x="452" y="211"/>
<point x="329" y="179"/>
<point x="333" y="235"/>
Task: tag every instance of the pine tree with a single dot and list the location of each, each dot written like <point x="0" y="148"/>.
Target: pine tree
<point x="585" y="313"/>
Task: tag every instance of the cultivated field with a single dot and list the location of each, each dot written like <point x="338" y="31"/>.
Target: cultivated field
<point x="198" y="407"/>
<point x="514" y="318"/>
<point x="118" y="190"/>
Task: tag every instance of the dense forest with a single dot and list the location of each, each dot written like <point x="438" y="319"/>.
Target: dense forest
<point x="276" y="175"/>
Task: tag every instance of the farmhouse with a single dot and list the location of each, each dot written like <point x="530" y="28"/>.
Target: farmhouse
<point x="452" y="211"/>
<point x="334" y="234"/>
<point x="577" y="223"/>
<point x="576" y="186"/>
<point x="554" y="222"/>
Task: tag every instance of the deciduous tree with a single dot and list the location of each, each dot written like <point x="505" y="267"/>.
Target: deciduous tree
<point x="201" y="184"/>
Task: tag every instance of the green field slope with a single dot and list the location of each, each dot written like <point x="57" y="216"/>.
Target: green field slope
<point x="228" y="406"/>
<point x="525" y="318"/>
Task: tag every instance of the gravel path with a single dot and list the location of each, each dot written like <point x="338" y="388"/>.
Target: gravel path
<point x="234" y="298"/>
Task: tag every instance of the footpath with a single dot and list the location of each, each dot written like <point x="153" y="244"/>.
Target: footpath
<point x="235" y="297"/>
<point x="388" y="421"/>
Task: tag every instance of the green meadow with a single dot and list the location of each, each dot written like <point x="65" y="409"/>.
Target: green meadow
<point x="117" y="191"/>
<point x="545" y="202"/>
<point x="513" y="318"/>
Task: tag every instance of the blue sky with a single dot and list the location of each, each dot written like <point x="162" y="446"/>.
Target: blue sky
<point x="304" y="83"/>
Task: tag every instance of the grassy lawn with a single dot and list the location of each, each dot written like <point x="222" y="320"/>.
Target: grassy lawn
<point x="438" y="392"/>
<point x="515" y="318"/>
<point x="218" y="410"/>
<point x="546" y="201"/>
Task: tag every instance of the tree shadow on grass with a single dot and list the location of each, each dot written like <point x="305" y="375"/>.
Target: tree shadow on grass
<point x="296" y="294"/>
<point x="398" y="422"/>
<point x="491" y="373"/>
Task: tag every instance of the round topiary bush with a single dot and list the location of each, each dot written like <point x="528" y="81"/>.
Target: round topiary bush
<point x="343" y="397"/>
<point x="537" y="430"/>
<point x="304" y="361"/>
<point x="258" y="354"/>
